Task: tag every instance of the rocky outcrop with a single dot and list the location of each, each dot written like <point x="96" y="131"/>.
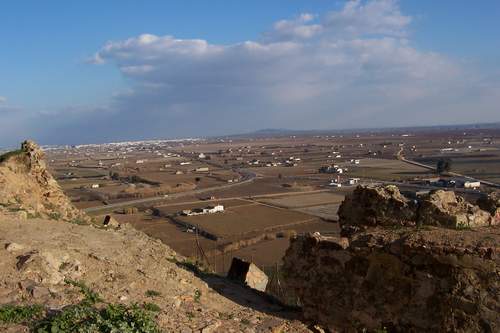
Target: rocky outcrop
<point x="27" y="189"/>
<point x="491" y="204"/>
<point x="433" y="280"/>
<point x="444" y="208"/>
<point x="385" y="206"/>
<point x="430" y="265"/>
<point x="375" y="206"/>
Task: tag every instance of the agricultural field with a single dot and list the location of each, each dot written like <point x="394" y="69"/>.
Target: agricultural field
<point x="304" y="200"/>
<point x="246" y="219"/>
<point x="382" y="169"/>
<point x="268" y="185"/>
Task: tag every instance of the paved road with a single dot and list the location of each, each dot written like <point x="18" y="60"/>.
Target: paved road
<point x="247" y="177"/>
<point x="400" y="157"/>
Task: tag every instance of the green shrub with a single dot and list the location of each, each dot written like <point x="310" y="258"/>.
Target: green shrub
<point x="20" y="313"/>
<point x="151" y="307"/>
<point x="55" y="215"/>
<point x="86" y="317"/>
<point x="197" y="295"/>
<point x="152" y="293"/>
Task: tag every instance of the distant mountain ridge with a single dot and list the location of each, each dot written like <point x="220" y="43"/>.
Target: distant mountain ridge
<point x="291" y="132"/>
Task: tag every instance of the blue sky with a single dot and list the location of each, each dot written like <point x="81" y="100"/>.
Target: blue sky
<point x="46" y="45"/>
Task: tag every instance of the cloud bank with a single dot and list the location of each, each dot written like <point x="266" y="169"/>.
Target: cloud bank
<point x="354" y="67"/>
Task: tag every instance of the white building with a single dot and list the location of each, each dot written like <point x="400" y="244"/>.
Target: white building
<point x="473" y="185"/>
<point x="353" y="181"/>
<point x="202" y="156"/>
<point x="203" y="211"/>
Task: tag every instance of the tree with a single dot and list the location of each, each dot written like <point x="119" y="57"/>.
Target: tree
<point x="443" y="165"/>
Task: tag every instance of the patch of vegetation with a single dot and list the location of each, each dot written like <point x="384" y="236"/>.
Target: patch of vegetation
<point x="245" y="321"/>
<point x="151" y="307"/>
<point x="197" y="295"/>
<point x="90" y="296"/>
<point x="152" y="293"/>
<point x="190" y="315"/>
<point x="17" y="314"/>
<point x="7" y="155"/>
<point x="90" y="316"/>
<point x="55" y="215"/>
<point x="198" y="268"/>
<point x="463" y="226"/>
<point x="35" y="215"/>
<point x="78" y="221"/>
<point x="226" y="316"/>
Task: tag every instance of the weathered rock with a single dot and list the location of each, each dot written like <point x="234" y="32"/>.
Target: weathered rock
<point x="246" y="272"/>
<point x="14" y="247"/>
<point x="445" y="209"/>
<point x="491" y="204"/>
<point x="26" y="184"/>
<point x="433" y="280"/>
<point x="110" y="222"/>
<point x="375" y="206"/>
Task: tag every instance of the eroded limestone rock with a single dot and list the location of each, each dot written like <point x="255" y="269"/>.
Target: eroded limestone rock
<point x="433" y="280"/>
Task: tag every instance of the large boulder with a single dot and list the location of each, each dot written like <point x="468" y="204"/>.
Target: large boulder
<point x="445" y="209"/>
<point x="375" y="206"/>
<point x="247" y="273"/>
<point x="433" y="280"/>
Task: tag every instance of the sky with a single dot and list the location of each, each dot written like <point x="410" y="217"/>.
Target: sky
<point x="101" y="71"/>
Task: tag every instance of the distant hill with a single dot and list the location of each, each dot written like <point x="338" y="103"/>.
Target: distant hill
<point x="282" y="132"/>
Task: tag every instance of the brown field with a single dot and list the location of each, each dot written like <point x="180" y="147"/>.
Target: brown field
<point x="246" y="219"/>
<point x="177" y="207"/>
<point x="328" y="212"/>
<point x="304" y="200"/>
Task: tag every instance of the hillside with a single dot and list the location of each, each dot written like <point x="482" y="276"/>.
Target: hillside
<point x="86" y="278"/>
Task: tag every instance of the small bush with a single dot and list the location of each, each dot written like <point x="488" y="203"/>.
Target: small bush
<point x="87" y="317"/>
<point x="151" y="307"/>
<point x="83" y="318"/>
<point x="55" y="215"/>
<point x="152" y="293"/>
<point x="197" y="295"/>
<point x="16" y="314"/>
<point x="90" y="296"/>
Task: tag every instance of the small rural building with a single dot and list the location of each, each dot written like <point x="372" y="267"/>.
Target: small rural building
<point x="472" y="185"/>
<point x="203" y="211"/>
<point x="201" y="169"/>
<point x="202" y="156"/>
<point x="95" y="186"/>
<point x="353" y="181"/>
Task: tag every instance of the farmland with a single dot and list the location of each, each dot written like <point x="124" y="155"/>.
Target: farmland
<point x="270" y="187"/>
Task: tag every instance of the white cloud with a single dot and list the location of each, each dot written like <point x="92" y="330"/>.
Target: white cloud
<point x="347" y="68"/>
<point x="3" y="99"/>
